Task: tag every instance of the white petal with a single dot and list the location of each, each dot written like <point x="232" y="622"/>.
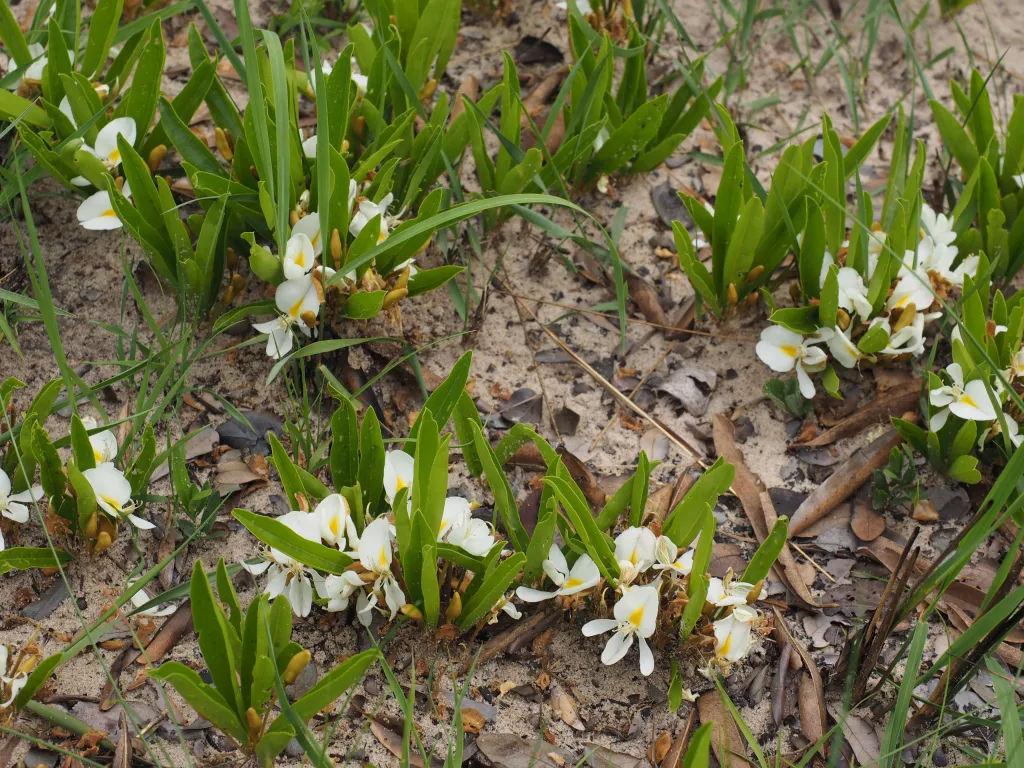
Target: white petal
<point x="528" y="595"/>
<point x="938" y="420"/>
<point x="97" y="213"/>
<point x="646" y="658"/>
<point x="617" y="647"/>
<point x="806" y="385"/>
<point x="294" y="297"/>
<point x="599" y="627"/>
<point x="141" y="524"/>
<point x="106" y="140"/>
<point x="310" y="227"/>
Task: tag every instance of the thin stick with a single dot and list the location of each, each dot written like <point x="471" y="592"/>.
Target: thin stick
<point x="622" y="399"/>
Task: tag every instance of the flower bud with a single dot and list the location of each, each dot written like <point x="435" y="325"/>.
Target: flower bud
<point x="254" y="722"/>
<point x="842" y="319"/>
<point x="751" y="299"/>
<point x="156" y="157"/>
<point x="428" y="89"/>
<point x="393" y="297"/>
<point x="336" y="247"/>
<point x="295" y="667"/>
<point x="92" y="526"/>
<point x="254" y="173"/>
<point x="293" y="218"/>
<point x="223" y="145"/>
<point x="103" y="542"/>
<point x="119" y="183"/>
<point x="238" y="283"/>
<point x="906" y="317"/>
<point x="232" y="258"/>
<point x="403" y="278"/>
<point x="454" y="609"/>
<point x="731" y="296"/>
<point x="410" y="611"/>
<point x="755" y="273"/>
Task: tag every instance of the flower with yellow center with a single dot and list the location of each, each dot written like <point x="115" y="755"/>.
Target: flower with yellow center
<point x="375" y="556"/>
<point x="294" y="299"/>
<point x="970" y="402"/>
<point x="636" y="615"/>
<point x="733" y="633"/>
<point x="114" y="494"/>
<point x="97" y="212"/>
<point x="14" y="506"/>
<point x="583" y="575"/>
<point x="399" y="468"/>
<point x="106" y="149"/>
<point x="288" y="576"/>
<point x="335" y="520"/>
<point x="782" y="350"/>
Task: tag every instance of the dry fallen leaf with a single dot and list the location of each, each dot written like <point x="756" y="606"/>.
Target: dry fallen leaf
<point x="661" y="746"/>
<point x="867" y="524"/>
<point x="564" y="705"/>
<point x="726" y="740"/>
<point x="844" y="482"/>
<point x="472" y="720"/>
<point x="863" y="737"/>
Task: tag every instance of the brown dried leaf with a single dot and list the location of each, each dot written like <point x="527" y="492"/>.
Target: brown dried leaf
<point x="867" y="524"/>
<point x="564" y="705"/>
<point x="726" y="740"/>
<point x="646" y="299"/>
<point x="813" y="713"/>
<point x="844" y="482"/>
<point x="472" y="721"/>
<point x="878" y="411"/>
<point x="172" y="630"/>
<point x="757" y="504"/>
<point x="863" y="737"/>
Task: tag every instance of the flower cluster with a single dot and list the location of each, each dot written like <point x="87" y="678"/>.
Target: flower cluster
<point x="652" y="570"/>
<point x="301" y="295"/>
<point x="371" y="580"/>
<point x="861" y="335"/>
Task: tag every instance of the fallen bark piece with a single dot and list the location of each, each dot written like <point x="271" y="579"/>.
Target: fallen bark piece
<point x="878" y="411"/>
<point x="757" y="505"/>
<point x="726" y="740"/>
<point x="844" y="482"/>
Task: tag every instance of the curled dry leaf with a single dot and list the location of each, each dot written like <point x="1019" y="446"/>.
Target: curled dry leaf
<point x="643" y="294"/>
<point x="811" y="701"/>
<point x="726" y="740"/>
<point x="692" y="386"/>
<point x="867" y="524"/>
<point x="757" y="504"/>
<point x="564" y="705"/>
<point x="508" y="751"/>
<point x="885" y="405"/>
<point x="844" y="482"/>
<point x="654" y="444"/>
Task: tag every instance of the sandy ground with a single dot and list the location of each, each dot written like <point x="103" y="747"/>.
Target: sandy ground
<point x="619" y="708"/>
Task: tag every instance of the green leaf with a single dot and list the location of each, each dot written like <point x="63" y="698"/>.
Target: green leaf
<point x="964" y="469"/>
<point x="371" y="460"/>
<point x="443" y="399"/>
<point x="766" y="555"/>
<point x="364" y="304"/>
<point x="430" y="279"/>
<point x="684" y="521"/>
<point x="344" y="444"/>
<point x="578" y="512"/>
<point x="493" y="586"/>
<point x="955" y="137"/>
<point x="504" y="497"/>
<point x="141" y="101"/>
<point x="812" y="251"/>
<point x="203" y="698"/>
<point x="675" y="688"/>
<point x="51" y="474"/>
<point x="464" y="417"/>
<point x="874" y="340"/>
<point x="213" y="631"/>
<point x="828" y="306"/>
<point x="84" y="495"/>
<point x="37" y="678"/>
<point x="102" y="27"/>
<point x="192" y="149"/>
<point x="22" y="558"/>
<point x="274" y="533"/>
<point x="286" y="469"/>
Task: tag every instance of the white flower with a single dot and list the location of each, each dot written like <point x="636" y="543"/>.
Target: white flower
<point x="583" y="575"/>
<point x="723" y="595"/>
<point x="969" y="402"/>
<point x="294" y="298"/>
<point x="366" y="212"/>
<point x="782" y="350"/>
<point x="362" y="81"/>
<point x="286" y="575"/>
<point x="141" y="597"/>
<point x="601" y="138"/>
<point x="398" y="473"/>
<point x="1020" y="180"/>
<point x="104" y="444"/>
<point x="668" y="557"/>
<point x="15" y="506"/>
<point x="114" y="494"/>
<point x="636" y="614"/>
<point x="844" y="350"/>
<point x="34" y="71"/>
<point x="375" y="556"/>
<point x="337" y="589"/>
<point x="908" y="339"/>
<point x="106" y="145"/>
<point x="1012" y="431"/>
<point x="506" y="606"/>
<point x="97" y="212"/>
<point x="937" y="226"/>
<point x="457" y="512"/>
<point x="915" y="287"/>
<point x="732" y="633"/>
<point x="583" y="5"/>
<point x="473" y="536"/>
<point x="853" y="293"/>
<point x="300" y="254"/>
<point x="637" y="546"/>
<point x="335" y="520"/>
<point x="13" y="683"/>
<point x="309" y="145"/>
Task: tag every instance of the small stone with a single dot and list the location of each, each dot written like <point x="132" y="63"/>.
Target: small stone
<point x="925" y="511"/>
